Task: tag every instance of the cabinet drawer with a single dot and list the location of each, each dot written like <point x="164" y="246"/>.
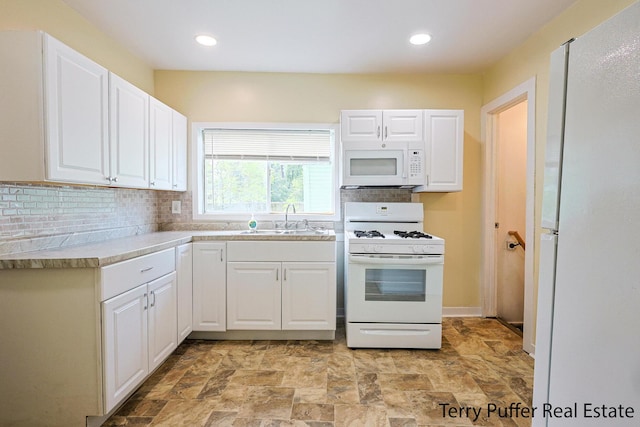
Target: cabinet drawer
<point x="121" y="277"/>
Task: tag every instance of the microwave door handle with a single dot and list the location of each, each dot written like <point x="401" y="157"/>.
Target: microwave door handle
<point x="425" y="259"/>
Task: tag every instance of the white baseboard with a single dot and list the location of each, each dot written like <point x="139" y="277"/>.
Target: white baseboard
<point x="461" y="311"/>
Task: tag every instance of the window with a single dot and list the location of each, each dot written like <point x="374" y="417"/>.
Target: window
<point x="261" y="169"/>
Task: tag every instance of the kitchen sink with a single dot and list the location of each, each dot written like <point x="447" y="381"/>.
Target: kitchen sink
<point x="287" y="232"/>
<point x="262" y="232"/>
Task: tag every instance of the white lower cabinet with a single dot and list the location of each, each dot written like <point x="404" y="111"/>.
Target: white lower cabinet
<point x="253" y="295"/>
<point x="281" y="285"/>
<point x="184" y="279"/>
<point x="209" y="286"/>
<point x="139" y="332"/>
<point x="139" y="321"/>
<point x="163" y="319"/>
<point x="287" y="296"/>
<point x="308" y="295"/>
<point x="125" y="331"/>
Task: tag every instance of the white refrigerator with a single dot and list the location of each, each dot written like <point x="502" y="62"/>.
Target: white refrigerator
<point x="587" y="358"/>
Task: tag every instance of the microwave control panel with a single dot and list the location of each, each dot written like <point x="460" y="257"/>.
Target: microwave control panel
<point x="416" y="166"/>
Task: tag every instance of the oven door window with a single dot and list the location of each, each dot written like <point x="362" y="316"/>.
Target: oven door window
<point x="394" y="284"/>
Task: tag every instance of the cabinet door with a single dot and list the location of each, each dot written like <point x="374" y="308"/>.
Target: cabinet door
<point x="209" y="286"/>
<point x="163" y="322"/>
<point x="361" y="125"/>
<point x="184" y="279"/>
<point x="76" y="114"/>
<point x="129" y="133"/>
<point x="308" y="295"/>
<point x="179" y="151"/>
<point x="402" y="125"/>
<point x="444" y="138"/>
<point x="124" y="335"/>
<point x="253" y="295"/>
<point x="161" y="148"/>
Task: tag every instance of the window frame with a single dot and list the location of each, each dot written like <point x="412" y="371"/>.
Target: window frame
<point x="197" y="172"/>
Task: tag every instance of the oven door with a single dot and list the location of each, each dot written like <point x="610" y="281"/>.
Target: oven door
<point x="394" y="288"/>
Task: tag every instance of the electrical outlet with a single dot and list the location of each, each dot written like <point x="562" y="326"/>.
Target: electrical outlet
<point x="176" y="206"/>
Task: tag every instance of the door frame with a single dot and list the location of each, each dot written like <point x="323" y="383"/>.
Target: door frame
<point x="488" y="127"/>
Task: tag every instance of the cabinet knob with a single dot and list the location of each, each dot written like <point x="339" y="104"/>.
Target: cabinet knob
<point x="152" y="183"/>
<point x="115" y="179"/>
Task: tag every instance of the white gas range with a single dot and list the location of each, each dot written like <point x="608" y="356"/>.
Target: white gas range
<point x="393" y="277"/>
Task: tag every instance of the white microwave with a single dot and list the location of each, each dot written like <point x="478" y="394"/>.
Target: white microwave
<point x="397" y="166"/>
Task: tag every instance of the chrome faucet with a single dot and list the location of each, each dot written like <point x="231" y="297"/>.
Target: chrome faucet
<point x="286" y="215"/>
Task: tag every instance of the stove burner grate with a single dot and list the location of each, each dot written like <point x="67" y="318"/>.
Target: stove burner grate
<point x="412" y="234"/>
<point x="368" y="234"/>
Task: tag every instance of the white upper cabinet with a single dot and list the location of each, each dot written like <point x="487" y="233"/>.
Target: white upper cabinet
<point x="129" y="134"/>
<point x="179" y="151"/>
<point x="402" y="125"/>
<point x="64" y="118"/>
<point x="444" y="140"/>
<point x="381" y="125"/>
<point x="76" y="96"/>
<point x="161" y="148"/>
<point x="168" y="148"/>
<point x="53" y="112"/>
<point x="361" y="125"/>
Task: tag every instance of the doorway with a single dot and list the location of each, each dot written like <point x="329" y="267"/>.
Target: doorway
<point x="508" y="125"/>
<point x="510" y="222"/>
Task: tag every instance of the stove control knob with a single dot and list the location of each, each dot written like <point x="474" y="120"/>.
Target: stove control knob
<point x="419" y="249"/>
<point x="378" y="248"/>
<point x="369" y="248"/>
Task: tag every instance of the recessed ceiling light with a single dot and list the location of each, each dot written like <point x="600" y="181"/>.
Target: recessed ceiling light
<point x="419" y="39"/>
<point x="206" y="40"/>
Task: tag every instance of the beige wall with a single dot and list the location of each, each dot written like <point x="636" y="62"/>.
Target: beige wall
<point x="282" y="97"/>
<point x="63" y="23"/>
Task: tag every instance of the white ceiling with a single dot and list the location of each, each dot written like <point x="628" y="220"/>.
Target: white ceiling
<point x="321" y="36"/>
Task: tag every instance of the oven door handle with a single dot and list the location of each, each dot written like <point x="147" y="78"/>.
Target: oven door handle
<point x="416" y="260"/>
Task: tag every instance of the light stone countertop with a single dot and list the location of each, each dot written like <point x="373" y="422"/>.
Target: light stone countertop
<point x="115" y="250"/>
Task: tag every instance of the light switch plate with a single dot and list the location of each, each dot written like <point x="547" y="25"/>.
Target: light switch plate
<point x="176" y="206"/>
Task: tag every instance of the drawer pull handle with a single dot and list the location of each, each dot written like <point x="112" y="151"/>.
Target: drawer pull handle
<point x="144" y="270"/>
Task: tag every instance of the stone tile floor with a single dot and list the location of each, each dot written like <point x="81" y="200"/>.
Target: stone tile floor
<point x="324" y="383"/>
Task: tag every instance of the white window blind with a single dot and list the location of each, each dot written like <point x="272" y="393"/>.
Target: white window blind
<point x="268" y="144"/>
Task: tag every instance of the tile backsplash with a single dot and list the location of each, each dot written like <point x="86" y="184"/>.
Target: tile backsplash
<point x="45" y="216"/>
